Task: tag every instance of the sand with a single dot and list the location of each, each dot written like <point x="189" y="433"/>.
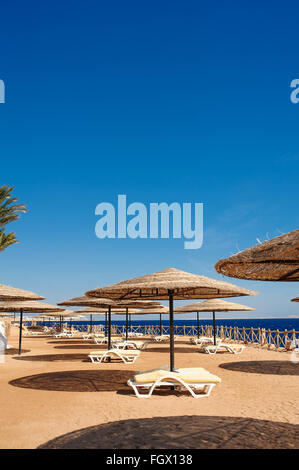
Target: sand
<point x="53" y="397"/>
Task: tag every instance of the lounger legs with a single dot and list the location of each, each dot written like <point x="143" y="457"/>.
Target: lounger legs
<point x="205" y="389"/>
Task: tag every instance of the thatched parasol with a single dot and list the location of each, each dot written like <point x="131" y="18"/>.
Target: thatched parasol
<point x="109" y="304"/>
<point x="296" y="299"/>
<point x="213" y="305"/>
<point x="104" y="311"/>
<point x="273" y="260"/>
<point x="11" y="293"/>
<point x="157" y="286"/>
<point x="28" y="307"/>
<point x="170" y="284"/>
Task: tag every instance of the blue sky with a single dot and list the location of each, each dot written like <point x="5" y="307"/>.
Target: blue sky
<point x="161" y="101"/>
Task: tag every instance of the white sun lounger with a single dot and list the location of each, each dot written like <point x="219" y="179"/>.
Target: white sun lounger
<point x="194" y="380"/>
<point x="130" y="344"/>
<point x="125" y="355"/>
<point x="231" y="348"/>
<point x="134" y="334"/>
<point x="161" y="338"/>
<point x="203" y="340"/>
<point x="104" y="339"/>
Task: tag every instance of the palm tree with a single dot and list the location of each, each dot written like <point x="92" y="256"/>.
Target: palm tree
<point x="9" y="212"/>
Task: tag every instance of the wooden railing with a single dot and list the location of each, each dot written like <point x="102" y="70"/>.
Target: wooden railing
<point x="260" y="336"/>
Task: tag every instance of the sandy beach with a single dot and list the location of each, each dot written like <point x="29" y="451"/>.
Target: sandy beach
<point x="54" y="397"/>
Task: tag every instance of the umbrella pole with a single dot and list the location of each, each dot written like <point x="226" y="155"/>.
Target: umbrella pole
<point x="109" y="327"/>
<point x="105" y="323"/>
<point x="160" y="323"/>
<point x="127" y="319"/>
<point x="20" y="332"/>
<point x="170" y="293"/>
<point x="197" y="314"/>
<point x="90" y="326"/>
<point x="214" y="328"/>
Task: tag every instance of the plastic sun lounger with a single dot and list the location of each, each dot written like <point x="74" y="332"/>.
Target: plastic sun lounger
<point x="203" y="340"/>
<point x="125" y="355"/>
<point x="161" y="338"/>
<point x="104" y="339"/>
<point x="231" y="348"/>
<point x="194" y="379"/>
<point x="135" y="334"/>
<point x="130" y="344"/>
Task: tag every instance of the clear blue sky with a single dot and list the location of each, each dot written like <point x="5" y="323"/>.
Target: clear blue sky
<point x="162" y="101"/>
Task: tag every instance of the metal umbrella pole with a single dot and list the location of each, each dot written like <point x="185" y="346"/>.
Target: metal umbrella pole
<point x="214" y="328"/>
<point x="20" y="332"/>
<point x="170" y="294"/>
<point x="90" y="323"/>
<point x="109" y="328"/>
<point x="127" y="320"/>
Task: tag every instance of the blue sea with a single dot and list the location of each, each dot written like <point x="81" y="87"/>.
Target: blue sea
<point x="280" y="324"/>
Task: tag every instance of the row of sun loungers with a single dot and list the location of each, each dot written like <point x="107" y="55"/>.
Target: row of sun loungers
<point x="197" y="380"/>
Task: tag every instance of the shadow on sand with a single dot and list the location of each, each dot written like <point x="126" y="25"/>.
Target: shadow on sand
<point x="263" y="367"/>
<point x="182" y="432"/>
<point x="77" y="381"/>
<point x="13" y="351"/>
<point x="54" y="358"/>
<point x="166" y="350"/>
<point x="90" y="347"/>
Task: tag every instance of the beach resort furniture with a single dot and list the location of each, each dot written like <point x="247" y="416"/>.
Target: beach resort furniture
<point x="104" y="339"/>
<point x="203" y="340"/>
<point x="135" y="334"/>
<point x="125" y="355"/>
<point x="130" y="344"/>
<point x="231" y="348"/>
<point x="161" y="338"/>
<point x="198" y="381"/>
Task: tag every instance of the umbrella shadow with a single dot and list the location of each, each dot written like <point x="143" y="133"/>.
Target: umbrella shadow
<point x="82" y="346"/>
<point x="77" y="381"/>
<point x="181" y="432"/>
<point x="263" y="367"/>
<point x="13" y="351"/>
<point x="54" y="358"/>
<point x="166" y="350"/>
<point x="70" y="341"/>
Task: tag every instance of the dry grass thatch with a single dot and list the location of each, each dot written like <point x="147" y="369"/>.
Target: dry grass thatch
<point x="273" y="260"/>
<point x="213" y="305"/>
<point x="60" y="313"/>
<point x="104" y="303"/>
<point x="102" y="311"/>
<point x="8" y="293"/>
<point x="183" y="285"/>
<point x="29" y="307"/>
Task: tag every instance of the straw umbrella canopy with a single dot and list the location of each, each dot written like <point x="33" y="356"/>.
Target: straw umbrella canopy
<point x="154" y="311"/>
<point x="8" y="293"/>
<point x="29" y="307"/>
<point x="273" y="260"/>
<point x="213" y="305"/>
<point x="105" y="302"/>
<point x="104" y="311"/>
<point x="170" y="284"/>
